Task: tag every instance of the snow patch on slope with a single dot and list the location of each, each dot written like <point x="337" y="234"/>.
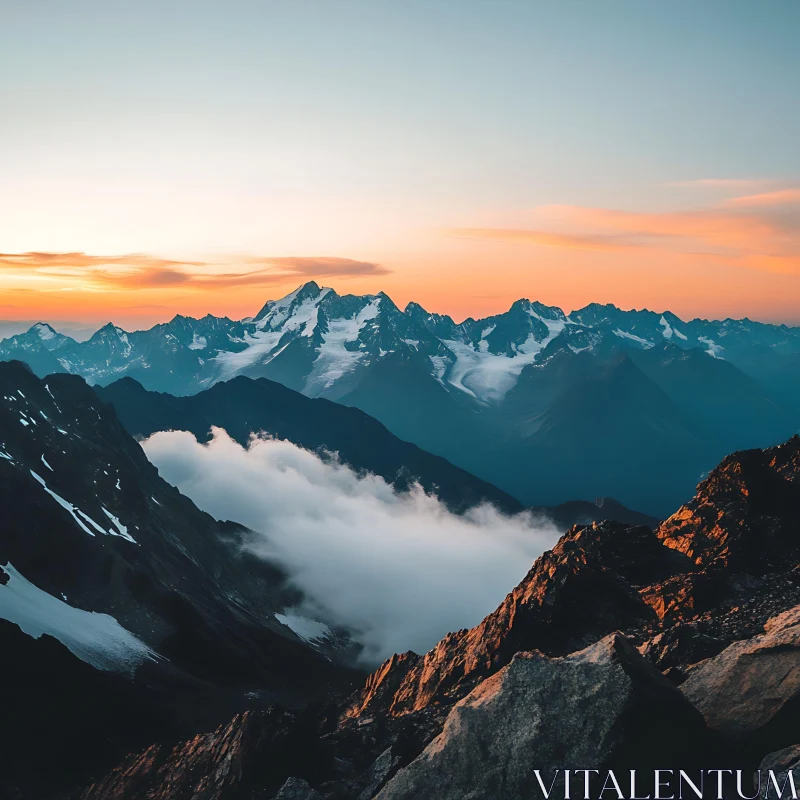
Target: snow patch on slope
<point x="97" y="639"/>
<point x="45" y="331"/>
<point x="73" y="510"/>
<point x="306" y="628"/>
<point x="334" y="359"/>
<point x="121" y="530"/>
<point x="488" y="377"/>
<point x="633" y="338"/>
<point x="270" y="329"/>
<point x="714" y="349"/>
<point x="260" y="343"/>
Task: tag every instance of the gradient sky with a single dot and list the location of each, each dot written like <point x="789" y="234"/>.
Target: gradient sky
<point x="193" y="157"/>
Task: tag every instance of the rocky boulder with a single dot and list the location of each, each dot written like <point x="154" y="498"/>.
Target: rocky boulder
<point x="781" y="763"/>
<point x="752" y="685"/>
<point x="250" y="756"/>
<point x="602" y="707"/>
<point x="297" y="789"/>
<point x="580" y="591"/>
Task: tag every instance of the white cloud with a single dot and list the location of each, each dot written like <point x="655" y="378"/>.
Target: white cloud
<point x="399" y="570"/>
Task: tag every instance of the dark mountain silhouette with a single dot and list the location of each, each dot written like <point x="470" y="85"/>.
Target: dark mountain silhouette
<point x="243" y="406"/>
<point x="121" y="575"/>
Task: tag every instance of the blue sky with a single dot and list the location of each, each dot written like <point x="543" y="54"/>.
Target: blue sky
<point x="362" y="130"/>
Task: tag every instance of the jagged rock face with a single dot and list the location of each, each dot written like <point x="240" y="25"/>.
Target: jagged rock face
<point x="605" y="577"/>
<point x="297" y="789"/>
<point x="101" y="554"/>
<point x="62" y="719"/>
<point x="753" y="684"/>
<point x="595" y="708"/>
<point x="704" y="626"/>
<point x="745" y="515"/>
<point x="573" y="595"/>
<point x="383" y="768"/>
<point x="250" y="754"/>
<point x="208" y="766"/>
<point x="781" y="763"/>
<point x="88" y="518"/>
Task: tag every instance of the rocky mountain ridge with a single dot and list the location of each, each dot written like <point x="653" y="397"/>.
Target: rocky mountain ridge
<point x="337" y="336"/>
<point x="114" y="583"/>
<point x="531" y="386"/>
<point x="669" y="648"/>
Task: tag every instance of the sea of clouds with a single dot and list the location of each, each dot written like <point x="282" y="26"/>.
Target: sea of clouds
<point x="399" y="570"/>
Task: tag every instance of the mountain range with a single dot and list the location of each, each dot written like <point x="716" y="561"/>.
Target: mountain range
<point x="245" y="407"/>
<point x="147" y="654"/>
<point x="107" y="571"/>
<point x="623" y="647"/>
<point x="546" y="406"/>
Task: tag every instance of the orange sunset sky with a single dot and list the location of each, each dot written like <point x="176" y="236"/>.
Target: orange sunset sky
<point x="193" y="158"/>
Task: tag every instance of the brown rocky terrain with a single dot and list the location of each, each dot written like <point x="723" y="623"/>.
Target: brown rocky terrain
<point x="594" y="708"/>
<point x="622" y="646"/>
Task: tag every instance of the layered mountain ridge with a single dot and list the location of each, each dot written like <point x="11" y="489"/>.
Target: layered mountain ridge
<point x="108" y="573"/>
<point x="622" y="648"/>
<point x="532" y="400"/>
<point x="245" y="407"/>
<point x="321" y="341"/>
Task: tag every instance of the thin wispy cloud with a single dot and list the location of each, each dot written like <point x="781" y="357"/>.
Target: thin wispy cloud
<point x="759" y="231"/>
<point x="89" y="272"/>
<point x="75" y="260"/>
<point x="777" y="198"/>
<point x="545" y="238"/>
<point x="323" y="266"/>
<point x="737" y="184"/>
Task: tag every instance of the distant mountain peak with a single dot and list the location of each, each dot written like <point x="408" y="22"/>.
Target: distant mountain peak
<point x="308" y="291"/>
<point x="322" y="343"/>
<point x="43" y="330"/>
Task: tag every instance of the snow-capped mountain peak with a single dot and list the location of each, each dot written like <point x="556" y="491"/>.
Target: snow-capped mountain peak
<point x="323" y="343"/>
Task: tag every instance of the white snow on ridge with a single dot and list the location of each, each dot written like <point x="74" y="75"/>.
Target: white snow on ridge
<point x="714" y="349"/>
<point x="121" y="530"/>
<point x="123" y="337"/>
<point x="483" y="345"/>
<point x="488" y="377"/>
<point x="669" y="330"/>
<point x="198" y="342"/>
<point x="82" y="518"/>
<point x="277" y="312"/>
<point x="638" y="339"/>
<point x="270" y="330"/>
<point x="45" y="332"/>
<point x="334" y="360"/>
<point x="307" y="629"/>
<point x="283" y="316"/>
<point x="260" y="343"/>
<point x="97" y="639"/>
<point x="440" y="365"/>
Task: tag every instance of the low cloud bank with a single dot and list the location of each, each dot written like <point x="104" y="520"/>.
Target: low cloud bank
<point x="399" y="570"/>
